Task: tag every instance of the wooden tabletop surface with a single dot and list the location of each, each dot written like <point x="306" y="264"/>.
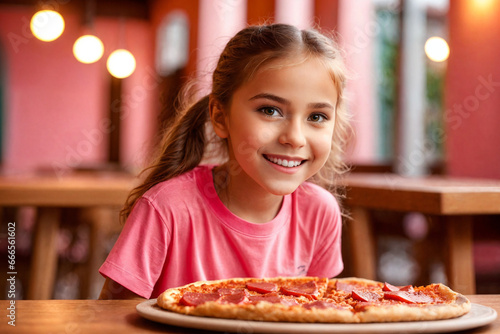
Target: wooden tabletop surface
<point x="73" y="190"/>
<point x="438" y="195"/>
<point x="120" y="316"/>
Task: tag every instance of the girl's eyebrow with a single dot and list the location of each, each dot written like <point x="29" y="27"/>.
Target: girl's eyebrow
<point x="270" y="97"/>
<point x="320" y="105"/>
<point x="314" y="105"/>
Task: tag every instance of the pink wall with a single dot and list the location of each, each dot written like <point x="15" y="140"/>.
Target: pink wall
<point x="357" y="27"/>
<point x="56" y="108"/>
<point x="472" y="114"/>
<point x="217" y="23"/>
<point x="297" y="12"/>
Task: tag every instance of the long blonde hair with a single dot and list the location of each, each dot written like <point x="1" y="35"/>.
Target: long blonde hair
<point x="184" y="144"/>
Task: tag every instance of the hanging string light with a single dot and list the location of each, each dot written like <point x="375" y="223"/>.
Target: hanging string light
<point x="121" y="63"/>
<point x="47" y="25"/>
<point x="88" y="48"/>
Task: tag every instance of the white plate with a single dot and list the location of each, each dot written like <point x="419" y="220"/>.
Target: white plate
<point x="479" y="315"/>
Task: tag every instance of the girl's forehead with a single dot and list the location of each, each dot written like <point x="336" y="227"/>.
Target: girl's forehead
<point x="290" y="61"/>
<point x="284" y="62"/>
<point x="277" y="66"/>
<point x="296" y="79"/>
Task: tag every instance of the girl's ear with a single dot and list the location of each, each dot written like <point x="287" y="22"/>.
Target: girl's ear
<point x="218" y="117"/>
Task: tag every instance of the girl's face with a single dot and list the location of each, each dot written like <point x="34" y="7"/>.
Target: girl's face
<point x="280" y="124"/>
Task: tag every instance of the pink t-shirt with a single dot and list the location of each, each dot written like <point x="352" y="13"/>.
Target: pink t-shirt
<point x="180" y="232"/>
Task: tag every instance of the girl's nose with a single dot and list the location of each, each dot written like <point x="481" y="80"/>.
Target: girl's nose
<point x="293" y="134"/>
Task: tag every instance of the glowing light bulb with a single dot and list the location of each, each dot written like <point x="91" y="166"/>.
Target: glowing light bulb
<point x="47" y="25"/>
<point x="88" y="49"/>
<point x="121" y="63"/>
<point x="485" y="4"/>
<point x="437" y="49"/>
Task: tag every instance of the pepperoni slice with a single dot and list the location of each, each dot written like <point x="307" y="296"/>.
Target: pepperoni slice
<point x="390" y="287"/>
<point x="270" y="298"/>
<point x="320" y="304"/>
<point x="232" y="291"/>
<point x="341" y="286"/>
<point x="309" y="289"/>
<point x="234" y="298"/>
<point x="288" y="302"/>
<point x="198" y="298"/>
<point x="365" y="295"/>
<point x="262" y="287"/>
<point x="408" y="297"/>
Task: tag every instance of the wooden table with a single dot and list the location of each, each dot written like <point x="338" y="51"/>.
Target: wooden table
<point x="451" y="201"/>
<point x="50" y="194"/>
<point x="120" y="316"/>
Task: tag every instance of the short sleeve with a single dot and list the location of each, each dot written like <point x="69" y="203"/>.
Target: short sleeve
<point x="327" y="261"/>
<point x="138" y="256"/>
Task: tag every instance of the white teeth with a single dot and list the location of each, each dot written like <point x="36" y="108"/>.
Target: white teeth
<point x="284" y="163"/>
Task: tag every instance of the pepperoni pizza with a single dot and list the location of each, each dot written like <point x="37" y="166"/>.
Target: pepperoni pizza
<point x="313" y="299"/>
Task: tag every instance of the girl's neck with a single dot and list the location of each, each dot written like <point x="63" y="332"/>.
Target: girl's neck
<point x="243" y="197"/>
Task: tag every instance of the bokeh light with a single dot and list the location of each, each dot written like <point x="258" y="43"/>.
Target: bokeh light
<point x="47" y="25"/>
<point x="121" y="63"/>
<point x="88" y="49"/>
<point x="437" y="49"/>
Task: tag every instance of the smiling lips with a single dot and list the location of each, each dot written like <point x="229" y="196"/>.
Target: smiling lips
<point x="284" y="162"/>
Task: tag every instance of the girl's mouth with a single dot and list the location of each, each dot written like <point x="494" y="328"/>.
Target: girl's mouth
<point x="284" y="162"/>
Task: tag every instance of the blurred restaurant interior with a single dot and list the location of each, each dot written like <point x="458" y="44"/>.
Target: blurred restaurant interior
<point x="419" y="110"/>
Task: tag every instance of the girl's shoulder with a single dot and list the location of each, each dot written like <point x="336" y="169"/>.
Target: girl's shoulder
<point x="180" y="186"/>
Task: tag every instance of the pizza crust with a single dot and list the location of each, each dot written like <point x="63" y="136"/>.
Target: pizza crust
<point x="264" y="311"/>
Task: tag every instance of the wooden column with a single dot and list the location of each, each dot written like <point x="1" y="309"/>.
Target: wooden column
<point x="460" y="268"/>
<point x="44" y="258"/>
<point x="115" y="113"/>
<point x="362" y="244"/>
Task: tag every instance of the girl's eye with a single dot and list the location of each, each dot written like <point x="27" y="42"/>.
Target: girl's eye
<point x="270" y="111"/>
<point x="317" y="118"/>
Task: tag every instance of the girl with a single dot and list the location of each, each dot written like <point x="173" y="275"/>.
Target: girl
<point x="277" y="105"/>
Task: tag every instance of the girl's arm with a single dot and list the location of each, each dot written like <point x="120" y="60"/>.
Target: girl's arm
<point x="113" y="290"/>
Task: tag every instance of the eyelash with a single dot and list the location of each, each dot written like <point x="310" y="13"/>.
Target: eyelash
<point x="323" y="116"/>
<point x="263" y="110"/>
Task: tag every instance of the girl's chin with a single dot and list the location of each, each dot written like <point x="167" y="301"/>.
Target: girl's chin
<point x="283" y="190"/>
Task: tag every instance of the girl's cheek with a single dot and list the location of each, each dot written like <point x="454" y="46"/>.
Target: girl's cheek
<point x="323" y="142"/>
<point x="246" y="151"/>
